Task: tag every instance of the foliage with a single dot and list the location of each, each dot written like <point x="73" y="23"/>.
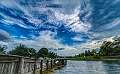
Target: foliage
<point x="43" y="52"/>
<point x="52" y="55"/>
<point x="107" y="48"/>
<point x="2" y="49"/>
<point x="22" y="50"/>
<point x="110" y="48"/>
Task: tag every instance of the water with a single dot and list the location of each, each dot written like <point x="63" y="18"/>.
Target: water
<point x="90" y="67"/>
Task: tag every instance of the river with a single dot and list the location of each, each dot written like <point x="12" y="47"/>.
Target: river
<point x="90" y="67"/>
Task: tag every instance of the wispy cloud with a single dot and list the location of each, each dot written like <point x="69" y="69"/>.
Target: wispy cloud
<point x="4" y="36"/>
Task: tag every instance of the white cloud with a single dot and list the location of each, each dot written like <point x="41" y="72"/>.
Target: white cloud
<point x="77" y="38"/>
<point x="73" y="21"/>
<point x="46" y="39"/>
<point x="114" y="23"/>
<point x="92" y="44"/>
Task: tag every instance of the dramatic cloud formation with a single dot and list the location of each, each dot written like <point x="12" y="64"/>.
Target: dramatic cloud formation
<point x="74" y="25"/>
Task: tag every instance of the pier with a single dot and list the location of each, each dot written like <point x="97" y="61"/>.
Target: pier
<point x="12" y="64"/>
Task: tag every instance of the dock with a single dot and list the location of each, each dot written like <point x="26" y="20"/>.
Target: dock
<point x="12" y="64"/>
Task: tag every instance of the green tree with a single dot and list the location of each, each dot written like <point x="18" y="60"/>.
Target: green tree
<point x="43" y="52"/>
<point x="2" y="50"/>
<point x="87" y="53"/>
<point x="22" y="50"/>
<point x="52" y="55"/>
<point x="93" y="52"/>
<point x="106" y="48"/>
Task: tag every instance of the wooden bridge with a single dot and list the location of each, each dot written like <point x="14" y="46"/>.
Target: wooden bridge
<point x="10" y="64"/>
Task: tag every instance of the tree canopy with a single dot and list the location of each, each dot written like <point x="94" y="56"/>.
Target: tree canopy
<point x="2" y="49"/>
<point x="22" y="50"/>
<point x="43" y="52"/>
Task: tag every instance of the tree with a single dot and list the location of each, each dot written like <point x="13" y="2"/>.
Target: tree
<point x="93" y="52"/>
<point x="22" y="50"/>
<point x="110" y="48"/>
<point x="43" y="52"/>
<point x="2" y="50"/>
<point x="52" y="55"/>
<point x="87" y="53"/>
<point x="106" y="48"/>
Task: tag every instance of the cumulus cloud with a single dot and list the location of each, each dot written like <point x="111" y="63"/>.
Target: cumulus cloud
<point x="46" y="39"/>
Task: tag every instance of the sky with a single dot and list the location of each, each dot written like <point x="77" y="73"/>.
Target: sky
<point x="72" y="25"/>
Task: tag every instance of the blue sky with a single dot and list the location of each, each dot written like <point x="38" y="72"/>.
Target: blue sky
<point x="75" y="25"/>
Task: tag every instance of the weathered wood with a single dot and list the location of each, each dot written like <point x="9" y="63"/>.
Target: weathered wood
<point x="35" y="66"/>
<point x="12" y="67"/>
<point x="22" y="65"/>
<point x="41" y="66"/>
<point x="51" y="62"/>
<point x="47" y="66"/>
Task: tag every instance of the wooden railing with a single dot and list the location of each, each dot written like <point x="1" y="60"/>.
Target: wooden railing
<point x="10" y="64"/>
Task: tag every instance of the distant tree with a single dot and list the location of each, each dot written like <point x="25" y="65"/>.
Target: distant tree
<point x="93" y="52"/>
<point x="52" y="55"/>
<point x="43" y="52"/>
<point x="22" y="50"/>
<point x="87" y="53"/>
<point x="2" y="49"/>
<point x="106" y="48"/>
<point x="32" y="52"/>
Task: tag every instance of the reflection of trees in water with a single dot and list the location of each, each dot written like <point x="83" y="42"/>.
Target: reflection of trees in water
<point x="112" y="67"/>
<point x="112" y="62"/>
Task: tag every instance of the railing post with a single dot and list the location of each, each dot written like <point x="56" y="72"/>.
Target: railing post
<point x="51" y="64"/>
<point x="12" y="67"/>
<point x="34" y="70"/>
<point x="41" y="66"/>
<point x="21" y="66"/>
<point x="47" y="65"/>
<point x="54" y="62"/>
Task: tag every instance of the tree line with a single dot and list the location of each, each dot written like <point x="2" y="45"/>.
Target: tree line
<point x="108" y="48"/>
<point x="23" y="50"/>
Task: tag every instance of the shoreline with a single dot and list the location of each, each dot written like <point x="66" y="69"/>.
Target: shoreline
<point x="100" y="58"/>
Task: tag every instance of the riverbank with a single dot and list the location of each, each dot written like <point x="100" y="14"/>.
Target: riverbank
<point x="90" y="67"/>
<point x="95" y="58"/>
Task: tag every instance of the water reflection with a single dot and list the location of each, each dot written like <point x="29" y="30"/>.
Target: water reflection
<point x="90" y="67"/>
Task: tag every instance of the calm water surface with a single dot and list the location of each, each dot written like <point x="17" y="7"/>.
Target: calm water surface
<point x="90" y="67"/>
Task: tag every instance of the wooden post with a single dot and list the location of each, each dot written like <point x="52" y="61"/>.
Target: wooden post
<point x="21" y="66"/>
<point x="35" y="66"/>
<point x="51" y="64"/>
<point x="41" y="66"/>
<point x="47" y="65"/>
<point x="54" y="62"/>
<point x="12" y="67"/>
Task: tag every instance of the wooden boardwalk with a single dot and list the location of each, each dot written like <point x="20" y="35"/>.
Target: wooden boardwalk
<point x="10" y="64"/>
